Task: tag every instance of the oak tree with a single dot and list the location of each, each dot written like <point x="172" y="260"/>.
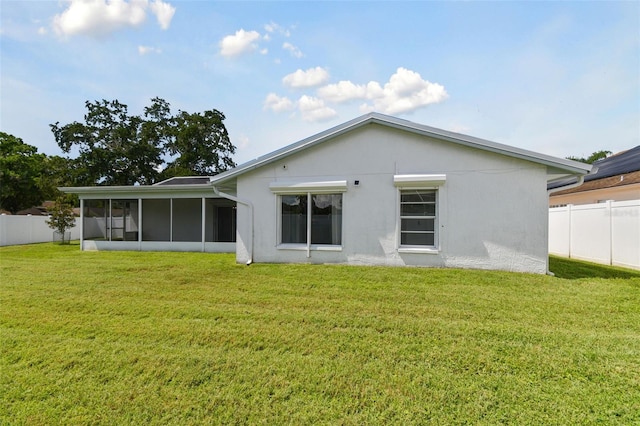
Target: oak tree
<point x="20" y="174"/>
<point x="117" y="148"/>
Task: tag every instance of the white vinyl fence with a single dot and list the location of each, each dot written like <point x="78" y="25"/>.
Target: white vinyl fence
<point x="28" y="229"/>
<point x="607" y="233"/>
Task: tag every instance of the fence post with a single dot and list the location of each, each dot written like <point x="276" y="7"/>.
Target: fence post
<point x="610" y="216"/>
<point x="570" y="213"/>
<point x="30" y="226"/>
<point x="81" y="224"/>
<point x="3" y="229"/>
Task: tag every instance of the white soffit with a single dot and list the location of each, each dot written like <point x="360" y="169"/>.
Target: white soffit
<point x="418" y="181"/>
<point x="315" y="187"/>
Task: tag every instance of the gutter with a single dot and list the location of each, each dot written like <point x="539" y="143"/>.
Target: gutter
<point x="243" y="202"/>
<point x="565" y="187"/>
<point x="580" y="181"/>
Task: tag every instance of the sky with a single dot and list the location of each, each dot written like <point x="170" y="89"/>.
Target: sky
<point x="559" y="78"/>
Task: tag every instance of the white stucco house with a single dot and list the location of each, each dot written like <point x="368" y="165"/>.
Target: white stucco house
<point x="376" y="190"/>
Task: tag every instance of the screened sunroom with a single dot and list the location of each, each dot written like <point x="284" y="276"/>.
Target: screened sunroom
<point x="182" y="216"/>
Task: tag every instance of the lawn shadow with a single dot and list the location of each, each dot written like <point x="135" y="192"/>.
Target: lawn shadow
<point x="572" y="269"/>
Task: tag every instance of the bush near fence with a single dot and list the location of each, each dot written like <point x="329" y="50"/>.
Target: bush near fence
<point x="607" y="233"/>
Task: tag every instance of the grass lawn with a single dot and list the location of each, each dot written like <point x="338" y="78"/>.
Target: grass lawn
<point x="191" y="338"/>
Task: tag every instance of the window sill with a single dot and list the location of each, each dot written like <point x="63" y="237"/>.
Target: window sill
<point x="419" y="250"/>
<point x="303" y="247"/>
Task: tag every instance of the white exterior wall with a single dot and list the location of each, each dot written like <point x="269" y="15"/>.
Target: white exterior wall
<point x="492" y="209"/>
<point x="607" y="233"/>
<point x="18" y="229"/>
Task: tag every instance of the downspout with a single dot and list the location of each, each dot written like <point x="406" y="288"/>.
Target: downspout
<point x="551" y="191"/>
<point x="243" y="202"/>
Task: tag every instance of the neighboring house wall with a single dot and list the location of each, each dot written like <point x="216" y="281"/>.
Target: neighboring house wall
<point x="16" y="230"/>
<point x="492" y="209"/>
<point x="618" y="193"/>
<point x="607" y="233"/>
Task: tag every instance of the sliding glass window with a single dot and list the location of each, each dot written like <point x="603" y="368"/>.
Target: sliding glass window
<point x="324" y="219"/>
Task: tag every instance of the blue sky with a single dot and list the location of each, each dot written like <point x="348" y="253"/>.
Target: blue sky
<point x="561" y="78"/>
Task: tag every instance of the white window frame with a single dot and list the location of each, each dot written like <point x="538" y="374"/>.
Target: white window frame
<point x="309" y="189"/>
<point x="419" y="182"/>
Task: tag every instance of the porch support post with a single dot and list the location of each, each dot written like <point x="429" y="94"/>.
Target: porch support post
<point x="81" y="224"/>
<point x="109" y="219"/>
<point x="204" y="221"/>
<point x="171" y="220"/>
<point x="309" y="210"/>
<point x="139" y="223"/>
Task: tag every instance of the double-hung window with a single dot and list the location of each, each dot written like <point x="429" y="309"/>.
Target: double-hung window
<point x="310" y="214"/>
<point x="418" y="218"/>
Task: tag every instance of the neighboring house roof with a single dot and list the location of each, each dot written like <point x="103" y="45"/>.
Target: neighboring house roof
<point x="623" y="162"/>
<point x="556" y="166"/>
<point x="604" y="183"/>
<point x="607" y="175"/>
<point x="34" y="211"/>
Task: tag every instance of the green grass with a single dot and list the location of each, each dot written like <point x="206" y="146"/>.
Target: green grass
<point x="190" y="338"/>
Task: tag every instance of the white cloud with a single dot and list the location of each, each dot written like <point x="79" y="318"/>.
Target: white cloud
<point x="101" y="17"/>
<point x="278" y="104"/>
<point x="143" y="50"/>
<point x="295" y="52"/>
<point x="309" y="78"/>
<point x="272" y="27"/>
<point x="241" y="42"/>
<point x="342" y="91"/>
<point x="314" y="109"/>
<point x="311" y="109"/>
<point x="243" y="141"/>
<point x="405" y="91"/>
<point x="164" y="13"/>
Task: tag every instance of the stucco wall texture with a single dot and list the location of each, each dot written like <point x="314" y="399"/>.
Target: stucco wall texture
<point x="492" y="209"/>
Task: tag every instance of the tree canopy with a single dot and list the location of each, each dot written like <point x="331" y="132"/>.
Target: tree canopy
<point x="117" y="148"/>
<point x="28" y="178"/>
<point x="598" y="155"/>
<point x="20" y="174"/>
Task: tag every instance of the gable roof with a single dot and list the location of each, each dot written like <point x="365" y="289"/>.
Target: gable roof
<point x="555" y="166"/>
